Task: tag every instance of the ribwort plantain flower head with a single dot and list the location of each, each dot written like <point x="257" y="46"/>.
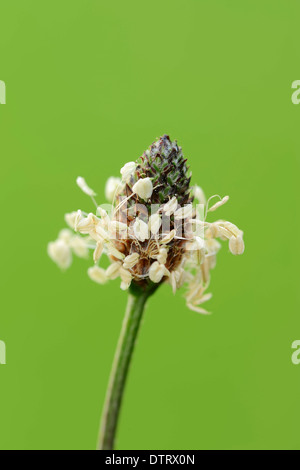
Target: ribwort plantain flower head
<point x="155" y="230"/>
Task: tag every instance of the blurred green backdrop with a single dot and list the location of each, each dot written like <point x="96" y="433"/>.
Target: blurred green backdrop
<point x="90" y="84"/>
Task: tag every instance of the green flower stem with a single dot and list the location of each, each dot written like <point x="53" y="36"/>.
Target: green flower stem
<point x="134" y="312"/>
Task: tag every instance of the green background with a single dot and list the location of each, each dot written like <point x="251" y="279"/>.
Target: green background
<point x="90" y="84"/>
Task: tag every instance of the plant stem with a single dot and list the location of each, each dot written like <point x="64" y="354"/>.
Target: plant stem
<point x="134" y="312"/>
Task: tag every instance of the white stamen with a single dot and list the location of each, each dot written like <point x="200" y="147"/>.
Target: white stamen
<point x="84" y="187"/>
<point x="218" y="204"/>
<point x="127" y="170"/>
<point x="236" y="245"/>
<point x="154" y="223"/>
<point x="60" y="252"/>
<point x="98" y="251"/>
<point x="79" y="246"/>
<point x="113" y="270"/>
<point x="70" y="219"/>
<point x="157" y="271"/>
<point x="131" y="260"/>
<point x="169" y="237"/>
<point x="170" y="207"/>
<point x="65" y="234"/>
<point x="198" y="309"/>
<point x="199" y="194"/>
<point x="112" y="250"/>
<point x="111" y="187"/>
<point x="184" y="212"/>
<point x="143" y="188"/>
<point x="141" y="230"/>
<point x="97" y="274"/>
<point x="126" y="278"/>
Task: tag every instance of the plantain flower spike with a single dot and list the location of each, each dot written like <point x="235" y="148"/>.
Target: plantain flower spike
<point x="155" y="231"/>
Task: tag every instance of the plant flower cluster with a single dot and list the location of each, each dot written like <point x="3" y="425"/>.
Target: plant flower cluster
<point x="154" y="230"/>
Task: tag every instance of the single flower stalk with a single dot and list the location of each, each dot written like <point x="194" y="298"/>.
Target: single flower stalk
<point x="155" y="231"/>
